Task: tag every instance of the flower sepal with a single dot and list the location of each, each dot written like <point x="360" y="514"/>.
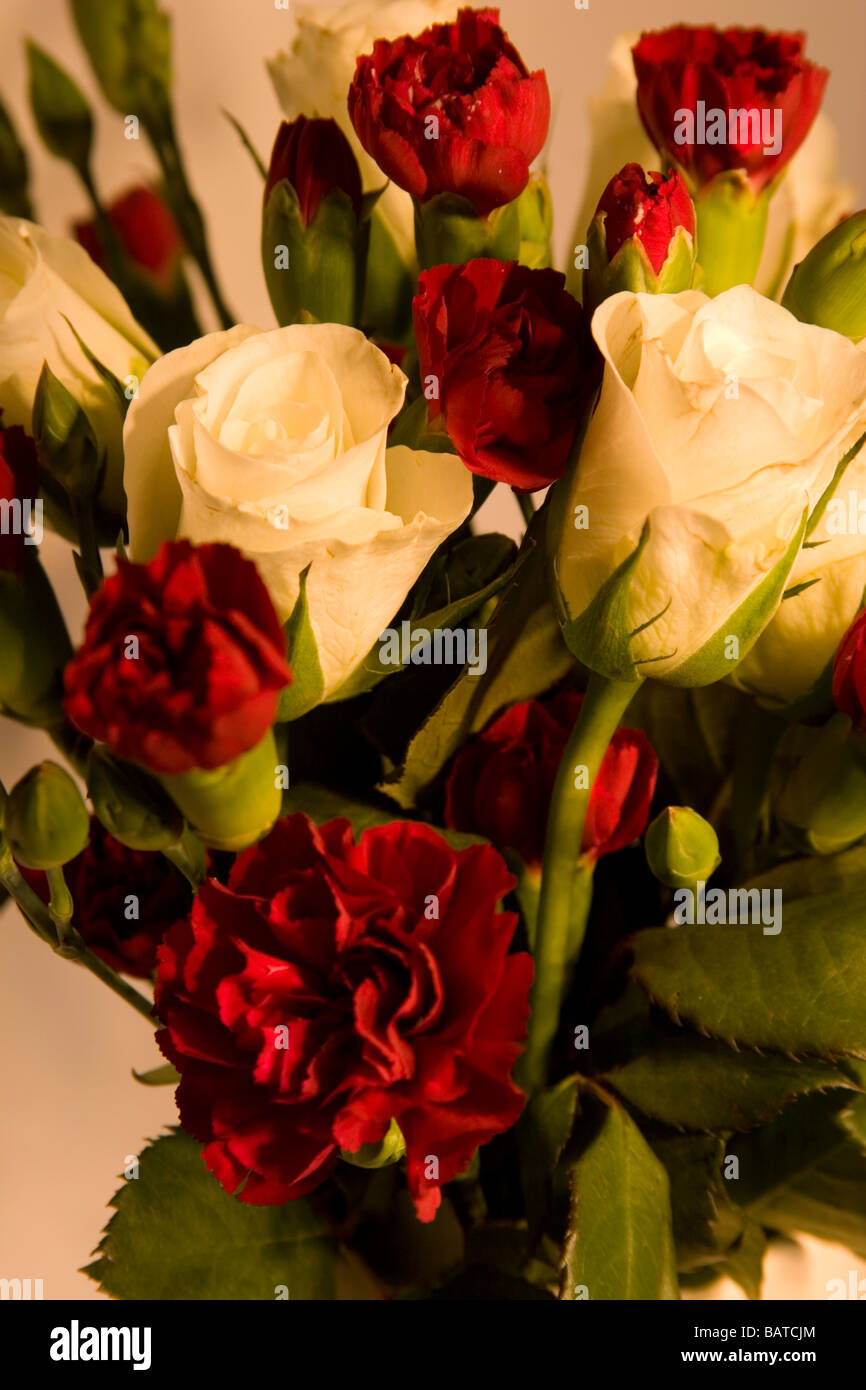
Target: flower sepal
<point x="233" y="806"/>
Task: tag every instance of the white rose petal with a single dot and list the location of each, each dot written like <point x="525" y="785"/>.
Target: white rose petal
<point x="275" y="442"/>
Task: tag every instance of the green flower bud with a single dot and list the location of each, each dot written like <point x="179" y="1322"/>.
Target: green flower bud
<point x="67" y="444"/>
<point x="389" y="1150"/>
<point x="62" y="115"/>
<point x="231" y="807"/>
<point x="46" y="820"/>
<point x="131" y="805"/>
<point x="681" y="847"/>
<point x="34" y="644"/>
<point x="828" y="288"/>
<point x="14" y="173"/>
<point x="821" y="792"/>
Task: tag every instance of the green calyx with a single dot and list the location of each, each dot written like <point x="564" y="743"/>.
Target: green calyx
<point x="630" y="268"/>
<point x="314" y="271"/>
<point x="732" y="224"/>
<point x="449" y="231"/>
<point x="231" y="807"/>
<point x="389" y="1150"/>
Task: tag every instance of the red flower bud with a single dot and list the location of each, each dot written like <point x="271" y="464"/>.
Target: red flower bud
<point x="506" y="358"/>
<point x="182" y="661"/>
<point x="647" y="207"/>
<point x="147" y="231"/>
<point x="849" y="673"/>
<point x="501" y="782"/>
<point x="315" y="157"/>
<point x="19" y="488"/>
<point x="720" y="99"/>
<point x="453" y="110"/>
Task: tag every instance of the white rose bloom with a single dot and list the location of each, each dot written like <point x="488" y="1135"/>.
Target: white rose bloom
<point x="802" y="638"/>
<point x="48" y="283"/>
<point x="810" y="200"/>
<point x="312" y="78"/>
<point x="276" y="443"/>
<point x="719" y="426"/>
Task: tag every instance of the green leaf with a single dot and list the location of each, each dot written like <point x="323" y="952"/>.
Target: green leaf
<point x="247" y="143"/>
<point x="782" y="1152"/>
<point x="818" y="875"/>
<point x="744" y="1262"/>
<point x="62" y="115"/>
<point x="695" y="1083"/>
<point x="176" y="1234"/>
<point x="128" y="43"/>
<point x="828" y="1200"/>
<point x="525" y="657"/>
<point x="620" y="1241"/>
<point x="802" y="991"/>
<point x="308" y="683"/>
<point x="544" y="1132"/>
<point x="705" y="1221"/>
<point x="14" y="172"/>
<point x="711" y="662"/>
<point x="468" y="561"/>
<point x="159" y="1076"/>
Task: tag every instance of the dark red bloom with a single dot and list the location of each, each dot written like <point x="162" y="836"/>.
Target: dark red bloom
<point x="849" y="673"/>
<point x="182" y="661"/>
<point x="453" y="110"/>
<point x="735" y="71"/>
<point x="506" y="357"/>
<point x="19" y="490"/>
<point x="125" y="901"/>
<point x="147" y="231"/>
<point x="649" y="208"/>
<point x="501" y="782"/>
<point x="316" y="158"/>
<point x="331" y="987"/>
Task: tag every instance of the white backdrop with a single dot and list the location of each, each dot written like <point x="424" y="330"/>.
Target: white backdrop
<point x="70" y="1111"/>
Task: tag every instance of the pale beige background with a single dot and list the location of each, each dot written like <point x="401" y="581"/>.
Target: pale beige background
<point x="70" y="1111"/>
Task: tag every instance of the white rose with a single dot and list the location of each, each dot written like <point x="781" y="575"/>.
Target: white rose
<point x="312" y="78"/>
<point x="276" y="443"/>
<point x="802" y="638"/>
<point x="810" y="200"/>
<point x="48" y="283"/>
<point x="719" y="426"/>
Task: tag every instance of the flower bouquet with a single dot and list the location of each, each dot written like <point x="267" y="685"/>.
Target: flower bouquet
<point x="502" y="901"/>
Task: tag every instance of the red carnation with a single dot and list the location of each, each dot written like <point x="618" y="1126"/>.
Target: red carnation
<point x="147" y="231"/>
<point x="735" y="71"/>
<point x="500" y="784"/>
<point x="331" y="987"/>
<point x="647" y="208"/>
<point x="182" y="661"/>
<point x="506" y="357"/>
<point x="19" y="488"/>
<point x="316" y="158"/>
<point x="125" y="901"/>
<point x="849" y="673"/>
<point x="453" y="110"/>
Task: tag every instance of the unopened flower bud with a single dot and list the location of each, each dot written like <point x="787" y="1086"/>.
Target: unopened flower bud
<point x="46" y="821"/>
<point x="232" y="806"/>
<point x="642" y="237"/>
<point x="131" y="805"/>
<point x="681" y="847"/>
<point x="822" y="794"/>
<point x="828" y="287"/>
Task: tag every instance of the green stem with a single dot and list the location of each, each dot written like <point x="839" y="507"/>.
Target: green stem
<point x="70" y="945"/>
<point x="60" y="905"/>
<point x="526" y="505"/>
<point x="73" y="745"/>
<point x="566" y="883"/>
<point x="90" y="571"/>
<point x="188" y="214"/>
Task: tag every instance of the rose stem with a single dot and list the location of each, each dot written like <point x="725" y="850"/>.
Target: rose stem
<point x="566" y="882"/>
